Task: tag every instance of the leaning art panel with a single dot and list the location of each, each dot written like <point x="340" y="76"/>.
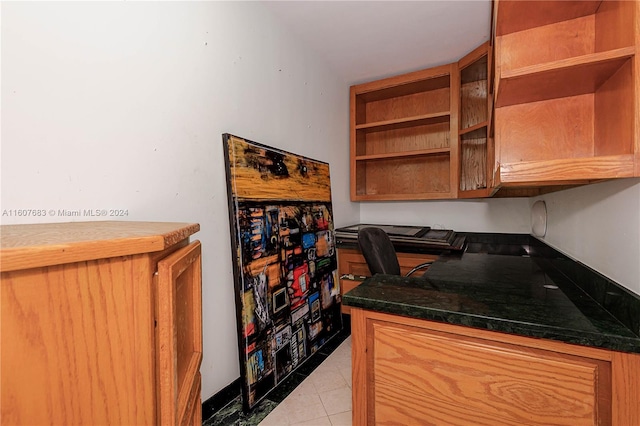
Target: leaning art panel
<point x="285" y="269"/>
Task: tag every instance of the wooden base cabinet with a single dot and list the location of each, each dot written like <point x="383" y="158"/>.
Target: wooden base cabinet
<point x="101" y="324"/>
<point x="351" y="261"/>
<point x="409" y="371"/>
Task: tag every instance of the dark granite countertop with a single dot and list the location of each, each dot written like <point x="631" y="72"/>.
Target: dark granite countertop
<point x="501" y="287"/>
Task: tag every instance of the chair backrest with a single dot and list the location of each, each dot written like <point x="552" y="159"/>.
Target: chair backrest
<point x="378" y="251"/>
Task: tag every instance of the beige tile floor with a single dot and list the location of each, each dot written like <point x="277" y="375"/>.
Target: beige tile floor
<point x="323" y="398"/>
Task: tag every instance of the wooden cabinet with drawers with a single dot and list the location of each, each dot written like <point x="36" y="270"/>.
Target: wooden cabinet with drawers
<point x="101" y="323"/>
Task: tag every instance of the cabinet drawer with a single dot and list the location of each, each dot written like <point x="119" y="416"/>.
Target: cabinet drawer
<point x="352" y="262"/>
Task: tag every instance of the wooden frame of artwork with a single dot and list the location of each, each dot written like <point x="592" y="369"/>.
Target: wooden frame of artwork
<point x="285" y="270"/>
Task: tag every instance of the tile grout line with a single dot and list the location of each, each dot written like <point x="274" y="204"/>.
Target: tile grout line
<point x="335" y="365"/>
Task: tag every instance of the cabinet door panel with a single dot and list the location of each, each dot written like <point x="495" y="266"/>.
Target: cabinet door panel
<point x="65" y="330"/>
<point x="193" y="415"/>
<point x="455" y="379"/>
<point x="179" y="332"/>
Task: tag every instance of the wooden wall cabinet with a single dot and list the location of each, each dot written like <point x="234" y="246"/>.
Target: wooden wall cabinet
<point x="424" y="135"/>
<point x="475" y="117"/>
<point x="401" y="136"/>
<point x="552" y="103"/>
<point x="410" y="371"/>
<point x="101" y="324"/>
<point x="351" y="261"/>
<point x="566" y="92"/>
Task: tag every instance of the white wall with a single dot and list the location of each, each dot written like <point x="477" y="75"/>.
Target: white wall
<point x="509" y="215"/>
<point x="599" y="225"/>
<point x="122" y="105"/>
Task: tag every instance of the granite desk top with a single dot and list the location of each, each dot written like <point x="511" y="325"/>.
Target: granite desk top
<point x="511" y="293"/>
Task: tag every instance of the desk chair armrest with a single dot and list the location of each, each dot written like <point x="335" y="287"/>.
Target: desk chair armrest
<point x="418" y="267"/>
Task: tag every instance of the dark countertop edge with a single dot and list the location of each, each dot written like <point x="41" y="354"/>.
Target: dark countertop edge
<point x="597" y="340"/>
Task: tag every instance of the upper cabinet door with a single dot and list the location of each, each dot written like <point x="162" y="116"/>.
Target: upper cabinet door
<point x="179" y="343"/>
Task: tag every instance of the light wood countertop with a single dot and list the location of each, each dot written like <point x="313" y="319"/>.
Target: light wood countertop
<point x="37" y="245"/>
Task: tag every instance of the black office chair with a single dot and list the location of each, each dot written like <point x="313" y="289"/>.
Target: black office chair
<point x="379" y="253"/>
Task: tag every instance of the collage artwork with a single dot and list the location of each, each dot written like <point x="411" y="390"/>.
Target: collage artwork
<point x="285" y="269"/>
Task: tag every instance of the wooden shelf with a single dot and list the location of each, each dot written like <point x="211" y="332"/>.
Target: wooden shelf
<point x="515" y="16"/>
<point x="416" y="153"/>
<point x="479" y="130"/>
<point x="566" y="93"/>
<point x="474" y="147"/>
<point x="404" y="197"/>
<point x="408" y="177"/>
<point x="405" y="85"/>
<point x="557" y="79"/>
<point x="474" y="193"/>
<point x="402" y="123"/>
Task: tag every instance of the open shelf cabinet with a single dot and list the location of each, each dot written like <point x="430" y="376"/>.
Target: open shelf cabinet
<point x="474" y="140"/>
<point x="401" y="143"/>
<point x="566" y="92"/>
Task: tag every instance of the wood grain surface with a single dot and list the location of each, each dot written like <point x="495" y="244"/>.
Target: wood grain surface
<point x="473" y="167"/>
<point x="401" y="136"/>
<point x="419" y="137"/>
<point x="79" y="342"/>
<point x="408" y="176"/>
<point x="35" y="245"/>
<point x="252" y="176"/>
<point x="413" y="371"/>
<point x="562" y="40"/>
<point x="563" y="172"/>
<point x="473" y="103"/>
<point x="179" y="332"/>
<point x="65" y="330"/>
<point x="614" y="114"/>
<point x="568" y="77"/>
<point x="430" y="102"/>
<point x="556" y="129"/>
<point x="450" y="379"/>
<point x="518" y="15"/>
<point x="566" y="91"/>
